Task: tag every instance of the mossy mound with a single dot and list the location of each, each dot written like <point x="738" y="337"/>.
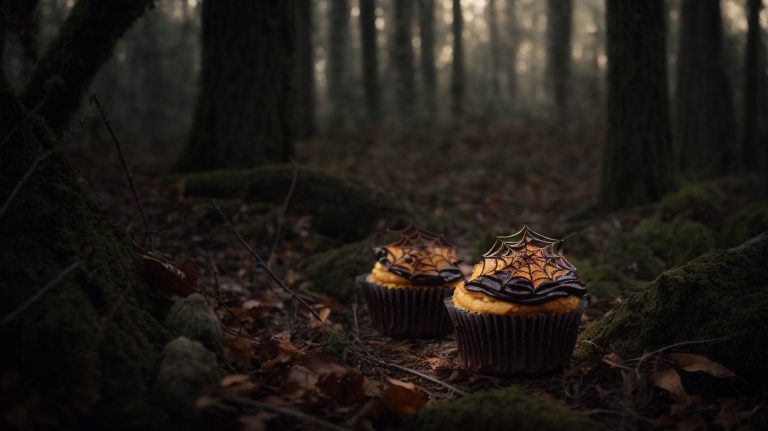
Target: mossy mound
<point x="604" y="281"/>
<point x="333" y="272"/>
<point x="191" y="317"/>
<point x="721" y="294"/>
<point x="702" y="202"/>
<point x="343" y="207"/>
<point x="629" y="254"/>
<point x="187" y="371"/>
<point x="745" y="224"/>
<point x="509" y="408"/>
<point x="677" y="241"/>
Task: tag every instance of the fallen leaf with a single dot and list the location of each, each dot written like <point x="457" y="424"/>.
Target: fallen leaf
<point x="400" y="399"/>
<point x="669" y="380"/>
<point x="161" y="274"/>
<point x="695" y="363"/>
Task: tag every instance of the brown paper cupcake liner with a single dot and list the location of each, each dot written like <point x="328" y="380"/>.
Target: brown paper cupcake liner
<point x="407" y="311"/>
<point x="514" y="345"/>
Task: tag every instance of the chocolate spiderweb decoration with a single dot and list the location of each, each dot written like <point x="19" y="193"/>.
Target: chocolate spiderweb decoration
<point x="526" y="254"/>
<point x="421" y="256"/>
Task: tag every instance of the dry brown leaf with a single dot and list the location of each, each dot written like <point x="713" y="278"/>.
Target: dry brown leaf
<point x="694" y="363"/>
<point x="669" y="380"/>
<point x="234" y="379"/>
<point x="613" y="359"/>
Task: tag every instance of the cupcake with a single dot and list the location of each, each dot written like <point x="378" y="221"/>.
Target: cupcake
<point x="407" y="286"/>
<point x="519" y="311"/>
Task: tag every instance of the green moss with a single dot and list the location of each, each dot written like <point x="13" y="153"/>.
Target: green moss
<point x="631" y="256"/>
<point x="191" y="317"/>
<point x="604" y="281"/>
<point x="509" y="408"/>
<point x="187" y="371"/>
<point x="343" y="207"/>
<point x="677" y="241"/>
<point x="745" y="224"/>
<point x="702" y="202"/>
<point x="333" y="272"/>
<point x="720" y="294"/>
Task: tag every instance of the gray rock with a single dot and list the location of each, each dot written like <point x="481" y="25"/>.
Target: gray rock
<point x="187" y="371"/>
<point x="191" y="317"/>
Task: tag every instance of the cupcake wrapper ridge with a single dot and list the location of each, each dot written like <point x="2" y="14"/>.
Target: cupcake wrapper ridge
<point x="407" y="311"/>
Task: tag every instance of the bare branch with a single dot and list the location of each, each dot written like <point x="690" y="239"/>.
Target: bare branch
<point x="281" y="217"/>
<point x="36" y="297"/>
<point x="22" y="181"/>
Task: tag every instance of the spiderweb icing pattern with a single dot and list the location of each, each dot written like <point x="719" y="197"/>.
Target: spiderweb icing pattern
<point x="421" y="256"/>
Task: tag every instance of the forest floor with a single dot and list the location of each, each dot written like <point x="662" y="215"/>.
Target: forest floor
<point x="477" y="182"/>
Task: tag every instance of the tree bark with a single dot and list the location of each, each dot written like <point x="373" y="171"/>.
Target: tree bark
<point x="85" y="42"/>
<point x="338" y="40"/>
<point x="559" y="23"/>
<point x="304" y="72"/>
<point x="428" y="72"/>
<point x="457" y="76"/>
<point x="513" y="44"/>
<point x="370" y="59"/>
<point x="638" y="158"/>
<point x="705" y="118"/>
<point x="243" y="108"/>
<point x="493" y="98"/>
<point x="753" y="86"/>
<point x="402" y="53"/>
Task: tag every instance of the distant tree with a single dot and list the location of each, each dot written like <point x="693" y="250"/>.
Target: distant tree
<point x="428" y="71"/>
<point x="558" y="74"/>
<point x="243" y="108"/>
<point x="494" y="95"/>
<point x="22" y="20"/>
<point x="370" y="59"/>
<point x="513" y="44"/>
<point x="457" y="76"/>
<point x="705" y="117"/>
<point x="638" y="158"/>
<point x="304" y="72"/>
<point x="596" y="45"/>
<point x="338" y="41"/>
<point x="402" y="56"/>
<point x="84" y="43"/>
<point x="753" y="85"/>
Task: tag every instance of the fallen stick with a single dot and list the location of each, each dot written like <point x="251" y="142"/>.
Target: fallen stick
<point x="22" y="181"/>
<point x="36" y="297"/>
<point x="288" y="412"/>
<point x="281" y="217"/>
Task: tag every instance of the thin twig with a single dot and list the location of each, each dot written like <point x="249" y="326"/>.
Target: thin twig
<point x="18" y="125"/>
<point x="260" y="263"/>
<point x="369" y="357"/>
<point x="288" y="412"/>
<point x="147" y="230"/>
<point x="36" y="297"/>
<point x="23" y="180"/>
<point x="281" y="216"/>
<point x="680" y="344"/>
<point x="215" y="273"/>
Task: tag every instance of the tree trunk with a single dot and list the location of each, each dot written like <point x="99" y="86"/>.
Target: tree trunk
<point x="85" y="42"/>
<point x="370" y="59"/>
<point x="753" y="82"/>
<point x="304" y="72"/>
<point x="638" y="158"/>
<point x="559" y="23"/>
<point x="402" y="53"/>
<point x="243" y="107"/>
<point x="513" y="43"/>
<point x="338" y="40"/>
<point x="457" y="77"/>
<point x="493" y="101"/>
<point x="428" y="72"/>
<point x="705" y="118"/>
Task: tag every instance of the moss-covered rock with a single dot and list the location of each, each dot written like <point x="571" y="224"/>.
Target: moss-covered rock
<point x="702" y="202"/>
<point x="192" y="318"/>
<point x="509" y="408"/>
<point x="187" y="371"/>
<point x="630" y="255"/>
<point x="745" y="224"/>
<point x="333" y="272"/>
<point x="604" y="281"/>
<point x="677" y="241"/>
<point x="721" y="294"/>
<point x="343" y="207"/>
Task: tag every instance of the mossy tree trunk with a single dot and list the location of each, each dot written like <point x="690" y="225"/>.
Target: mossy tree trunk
<point x="428" y="70"/>
<point x="338" y="41"/>
<point x="638" y="158"/>
<point x="559" y="23"/>
<point x="85" y="42"/>
<point x="753" y="83"/>
<point x="304" y="72"/>
<point x="402" y="58"/>
<point x="457" y="66"/>
<point x="83" y="352"/>
<point x="370" y="59"/>
<point x="244" y="106"/>
<point x="705" y="118"/>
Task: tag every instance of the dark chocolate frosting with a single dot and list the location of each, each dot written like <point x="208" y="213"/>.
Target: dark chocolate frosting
<point x="421" y="257"/>
<point x="525" y="268"/>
